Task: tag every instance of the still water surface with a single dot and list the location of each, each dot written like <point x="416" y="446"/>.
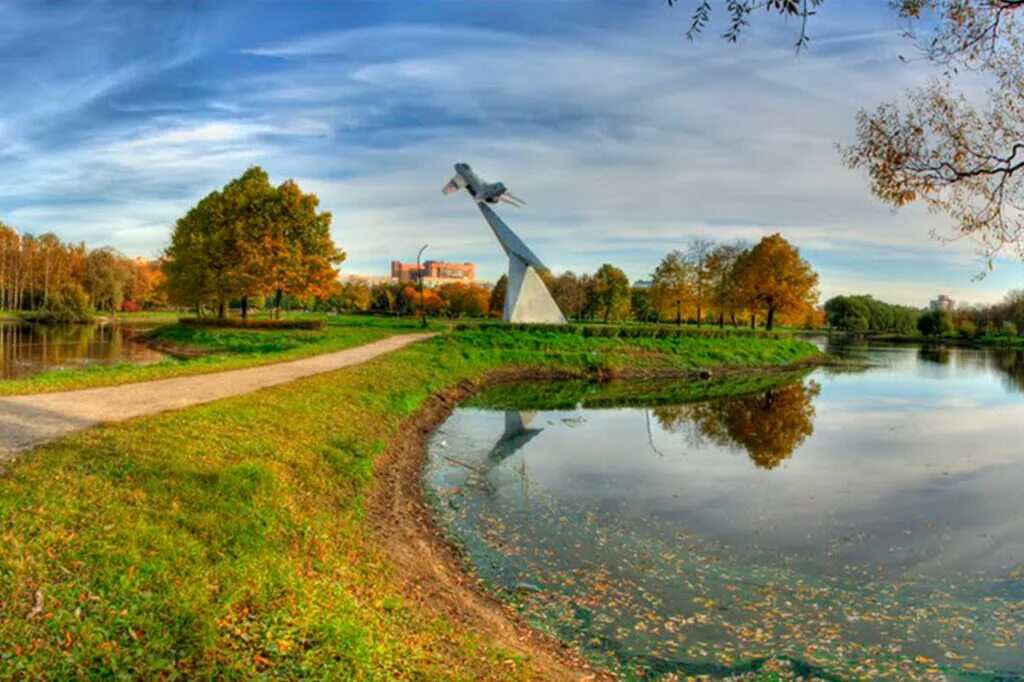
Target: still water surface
<point x="849" y="525"/>
<point x="27" y="349"/>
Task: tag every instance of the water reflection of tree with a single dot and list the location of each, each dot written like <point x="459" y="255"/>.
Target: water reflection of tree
<point x="769" y="426"/>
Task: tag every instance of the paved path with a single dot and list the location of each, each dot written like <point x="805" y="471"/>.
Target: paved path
<point x="29" y="420"/>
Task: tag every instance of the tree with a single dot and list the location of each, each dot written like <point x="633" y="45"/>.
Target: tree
<point x="640" y="301"/>
<point x="702" y="280"/>
<point x="935" y="323"/>
<point x="739" y="12"/>
<point x="569" y="293"/>
<point x="670" y="285"/>
<point x="722" y="267"/>
<point x="107" y="275"/>
<point x="252" y="239"/>
<point x="774" y="278"/>
<point x="957" y="156"/>
<point x="609" y="292"/>
<point x="355" y="296"/>
<point x="497" y="304"/>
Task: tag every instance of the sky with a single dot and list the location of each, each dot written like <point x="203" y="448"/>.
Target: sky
<point x="625" y="139"/>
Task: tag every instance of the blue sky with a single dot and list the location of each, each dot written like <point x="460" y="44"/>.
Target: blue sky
<point x="625" y="139"/>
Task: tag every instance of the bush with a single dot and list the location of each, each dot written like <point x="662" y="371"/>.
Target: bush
<point x="130" y="307"/>
<point x="1008" y="328"/>
<point x="239" y="323"/>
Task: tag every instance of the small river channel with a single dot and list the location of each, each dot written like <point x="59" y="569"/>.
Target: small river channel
<point x="847" y="525"/>
<point x="27" y="349"/>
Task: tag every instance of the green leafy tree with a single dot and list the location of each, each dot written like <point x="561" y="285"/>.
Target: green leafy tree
<point x="935" y="323"/>
<point x="609" y="292"/>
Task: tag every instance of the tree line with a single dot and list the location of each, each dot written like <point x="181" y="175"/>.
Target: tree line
<point x="719" y="283"/>
<point x="867" y="314"/>
<point x="704" y="283"/>
<point x="65" y="280"/>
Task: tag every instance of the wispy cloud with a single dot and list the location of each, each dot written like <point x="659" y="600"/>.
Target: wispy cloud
<point x="625" y="139"/>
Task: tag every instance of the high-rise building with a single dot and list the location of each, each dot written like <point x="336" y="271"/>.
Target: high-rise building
<point x="942" y="302"/>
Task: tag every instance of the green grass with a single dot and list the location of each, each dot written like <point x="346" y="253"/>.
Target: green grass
<point x="230" y="540"/>
<point x="222" y="349"/>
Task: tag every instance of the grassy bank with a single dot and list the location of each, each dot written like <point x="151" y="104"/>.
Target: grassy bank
<point x="231" y="541"/>
<point x="202" y="350"/>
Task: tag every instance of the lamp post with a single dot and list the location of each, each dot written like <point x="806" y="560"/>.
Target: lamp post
<point x="419" y="274"/>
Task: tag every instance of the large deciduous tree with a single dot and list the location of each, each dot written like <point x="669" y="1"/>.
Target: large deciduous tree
<point x="773" y="278"/>
<point x="252" y="239"/>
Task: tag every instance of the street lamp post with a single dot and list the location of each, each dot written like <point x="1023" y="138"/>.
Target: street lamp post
<point x="419" y="274"/>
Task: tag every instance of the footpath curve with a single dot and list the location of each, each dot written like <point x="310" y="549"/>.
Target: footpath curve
<point x="30" y="420"/>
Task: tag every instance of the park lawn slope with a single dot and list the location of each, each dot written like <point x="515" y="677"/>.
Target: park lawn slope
<point x="231" y="540"/>
<point x="216" y="350"/>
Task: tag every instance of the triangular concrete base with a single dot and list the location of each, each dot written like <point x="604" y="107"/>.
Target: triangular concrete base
<point x="527" y="300"/>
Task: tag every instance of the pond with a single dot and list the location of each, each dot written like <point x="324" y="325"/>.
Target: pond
<point x="845" y="525"/>
<point x="26" y="349"/>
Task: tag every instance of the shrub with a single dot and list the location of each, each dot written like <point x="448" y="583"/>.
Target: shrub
<point x="967" y="329"/>
<point x="130" y="307"/>
<point x="239" y="323"/>
<point x="1008" y="328"/>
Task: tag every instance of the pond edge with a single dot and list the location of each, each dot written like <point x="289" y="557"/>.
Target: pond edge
<point x="433" y="572"/>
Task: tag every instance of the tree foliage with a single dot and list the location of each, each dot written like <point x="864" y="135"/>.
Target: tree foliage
<point x="251" y="239"/>
<point x="772" y="277"/>
<point x="866" y="314"/>
<point x="936" y="323"/>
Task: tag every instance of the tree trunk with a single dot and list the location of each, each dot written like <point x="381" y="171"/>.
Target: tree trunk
<point x="753" y="319"/>
<point x="278" y="298"/>
<point x="721" y="320"/>
<point x="771" y="319"/>
<point x="679" y="313"/>
<point x="245" y="307"/>
<point x="733" y="318"/>
<point x="698" y="317"/>
<point x="221" y="309"/>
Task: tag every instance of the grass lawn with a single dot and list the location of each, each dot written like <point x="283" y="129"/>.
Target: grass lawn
<point x="230" y="540"/>
<point x="223" y="349"/>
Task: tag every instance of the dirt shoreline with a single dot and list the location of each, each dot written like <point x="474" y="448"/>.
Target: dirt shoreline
<point x="433" y="573"/>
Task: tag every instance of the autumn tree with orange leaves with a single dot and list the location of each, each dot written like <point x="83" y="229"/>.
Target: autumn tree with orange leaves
<point x="772" y="278"/>
<point x="251" y="239"/>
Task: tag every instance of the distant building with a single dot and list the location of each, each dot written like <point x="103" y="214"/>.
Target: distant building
<point x="643" y="284"/>
<point x="943" y="302"/>
<point x="433" y="272"/>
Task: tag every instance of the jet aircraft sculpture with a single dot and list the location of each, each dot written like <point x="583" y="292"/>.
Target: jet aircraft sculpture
<point x="527" y="300"/>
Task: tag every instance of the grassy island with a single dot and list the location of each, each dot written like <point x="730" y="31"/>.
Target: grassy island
<point x="233" y="540"/>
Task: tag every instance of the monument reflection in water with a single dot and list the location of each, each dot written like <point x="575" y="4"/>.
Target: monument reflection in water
<point x="855" y="525"/>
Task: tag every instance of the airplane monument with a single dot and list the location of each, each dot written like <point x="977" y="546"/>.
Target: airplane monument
<point x="527" y="300"/>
